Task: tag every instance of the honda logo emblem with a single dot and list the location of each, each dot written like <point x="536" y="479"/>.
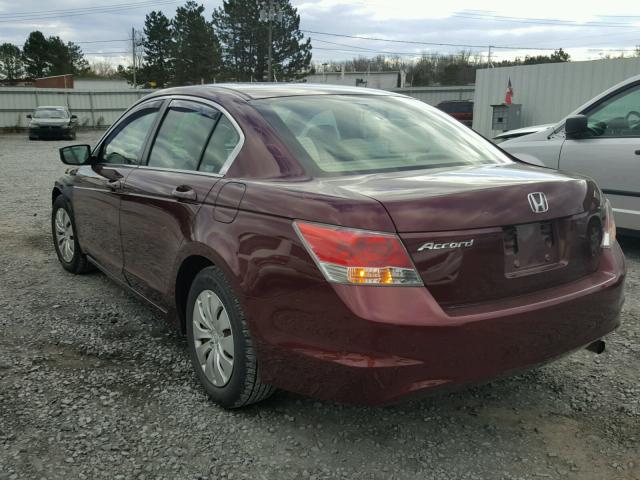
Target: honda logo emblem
<point x="538" y="202"/>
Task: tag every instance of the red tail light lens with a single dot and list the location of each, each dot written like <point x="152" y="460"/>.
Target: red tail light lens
<point x="347" y="255"/>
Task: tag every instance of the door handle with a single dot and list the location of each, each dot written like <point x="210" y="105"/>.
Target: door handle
<point x="637" y="152"/>
<point x="184" y="192"/>
<point x="115" y="184"/>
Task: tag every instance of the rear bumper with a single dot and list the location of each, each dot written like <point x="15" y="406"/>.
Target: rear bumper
<point x="377" y="345"/>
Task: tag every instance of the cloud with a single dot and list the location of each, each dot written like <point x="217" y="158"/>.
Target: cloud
<point x="453" y="21"/>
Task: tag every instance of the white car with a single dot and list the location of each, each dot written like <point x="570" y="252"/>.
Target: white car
<point x="601" y="139"/>
<point x="521" y="132"/>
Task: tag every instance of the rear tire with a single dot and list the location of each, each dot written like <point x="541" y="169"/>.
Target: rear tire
<point x="65" y="241"/>
<point x="220" y="344"/>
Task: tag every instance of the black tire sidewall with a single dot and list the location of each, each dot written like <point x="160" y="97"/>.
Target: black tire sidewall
<point x="76" y="264"/>
<point x="211" y="278"/>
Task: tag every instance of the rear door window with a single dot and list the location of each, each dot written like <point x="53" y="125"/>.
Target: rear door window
<point x="221" y="146"/>
<point x="183" y="135"/>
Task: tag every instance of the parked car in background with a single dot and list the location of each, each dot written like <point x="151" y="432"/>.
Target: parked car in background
<point x="345" y="243"/>
<point x="52" y="122"/>
<point x="521" y="132"/>
<point x="601" y="139"/>
<point x="461" y="110"/>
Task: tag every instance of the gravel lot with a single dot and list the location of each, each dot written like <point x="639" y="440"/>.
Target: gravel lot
<point x="94" y="385"/>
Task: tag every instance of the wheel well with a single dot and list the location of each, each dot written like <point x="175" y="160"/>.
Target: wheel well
<point x="190" y="267"/>
<point x="55" y="193"/>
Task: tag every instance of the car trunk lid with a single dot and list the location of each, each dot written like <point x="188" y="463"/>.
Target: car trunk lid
<point x="474" y="235"/>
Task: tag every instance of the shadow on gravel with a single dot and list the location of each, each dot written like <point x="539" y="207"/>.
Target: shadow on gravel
<point x="630" y="245"/>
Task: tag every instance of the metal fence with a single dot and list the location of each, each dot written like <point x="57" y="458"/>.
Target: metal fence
<point x="102" y="108"/>
<point x="547" y="92"/>
<point x="435" y="95"/>
<point x="93" y="108"/>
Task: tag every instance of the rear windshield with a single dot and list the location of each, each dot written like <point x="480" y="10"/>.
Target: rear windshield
<point x="348" y="134"/>
<point x="50" y="113"/>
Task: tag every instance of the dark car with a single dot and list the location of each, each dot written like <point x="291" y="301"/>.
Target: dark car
<point x="461" y="110"/>
<point x="343" y="243"/>
<point x="52" y="122"/>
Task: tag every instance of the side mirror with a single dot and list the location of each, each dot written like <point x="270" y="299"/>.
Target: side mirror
<point x="576" y="126"/>
<point x="29" y="116"/>
<point x="75" y="154"/>
<point x="74" y="117"/>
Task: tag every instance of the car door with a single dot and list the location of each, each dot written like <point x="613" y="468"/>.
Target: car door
<point x="162" y="197"/>
<point x="611" y="153"/>
<point x="98" y="186"/>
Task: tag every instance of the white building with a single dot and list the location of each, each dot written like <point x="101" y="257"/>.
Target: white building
<point x="381" y="80"/>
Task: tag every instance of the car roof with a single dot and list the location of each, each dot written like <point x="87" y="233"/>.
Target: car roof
<point x="255" y="91"/>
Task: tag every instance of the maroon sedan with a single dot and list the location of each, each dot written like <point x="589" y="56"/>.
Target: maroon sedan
<point x="348" y="244"/>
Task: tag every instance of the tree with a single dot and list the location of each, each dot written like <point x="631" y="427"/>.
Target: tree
<point x="51" y="56"/>
<point x="157" y="44"/>
<point x="11" y="66"/>
<point x="101" y="69"/>
<point x="557" y="56"/>
<point x="196" y="50"/>
<point x="244" y="38"/>
<point x="65" y="58"/>
<point x="36" y="55"/>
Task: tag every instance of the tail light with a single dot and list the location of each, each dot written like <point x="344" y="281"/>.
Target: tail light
<point x="609" y="227"/>
<point x="358" y="257"/>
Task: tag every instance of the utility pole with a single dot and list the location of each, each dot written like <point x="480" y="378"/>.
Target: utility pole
<point x="489" y="58"/>
<point x="270" y="59"/>
<point x="268" y="13"/>
<point x="133" y="56"/>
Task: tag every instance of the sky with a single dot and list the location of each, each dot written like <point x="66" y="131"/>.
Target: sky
<point x="588" y="31"/>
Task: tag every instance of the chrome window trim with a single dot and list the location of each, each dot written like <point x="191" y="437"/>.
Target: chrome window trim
<point x="178" y="170"/>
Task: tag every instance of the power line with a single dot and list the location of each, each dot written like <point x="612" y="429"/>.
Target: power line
<point x="7" y="18"/>
<point x="540" y="21"/>
<point x="422" y="43"/>
<point x="105" y="41"/>
<point x="76" y="10"/>
<point x="403" y="54"/>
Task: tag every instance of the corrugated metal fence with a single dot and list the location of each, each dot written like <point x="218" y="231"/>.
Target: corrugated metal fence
<point x="94" y="109"/>
<point x="547" y="92"/>
<point x="435" y="95"/>
<point x="102" y="108"/>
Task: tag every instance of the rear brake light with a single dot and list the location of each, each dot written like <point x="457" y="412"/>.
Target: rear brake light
<point x="609" y="227"/>
<point x="359" y="257"/>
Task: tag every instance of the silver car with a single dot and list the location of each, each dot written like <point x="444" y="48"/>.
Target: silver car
<point x="601" y="139"/>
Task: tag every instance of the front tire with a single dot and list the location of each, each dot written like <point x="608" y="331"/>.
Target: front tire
<point x="220" y="344"/>
<point x="65" y="240"/>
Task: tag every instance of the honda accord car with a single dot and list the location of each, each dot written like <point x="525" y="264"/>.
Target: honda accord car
<point x="342" y="243"/>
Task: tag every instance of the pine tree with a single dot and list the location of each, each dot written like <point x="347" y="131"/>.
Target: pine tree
<point x="196" y="50"/>
<point x="36" y="55"/>
<point x="244" y="38"/>
<point x="157" y="44"/>
<point x="11" y="66"/>
<point x="51" y="56"/>
<point x="65" y="58"/>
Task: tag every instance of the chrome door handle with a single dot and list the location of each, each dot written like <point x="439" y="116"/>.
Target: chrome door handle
<point x="184" y="192"/>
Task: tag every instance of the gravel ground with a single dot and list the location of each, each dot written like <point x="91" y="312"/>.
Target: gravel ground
<point x="94" y="385"/>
